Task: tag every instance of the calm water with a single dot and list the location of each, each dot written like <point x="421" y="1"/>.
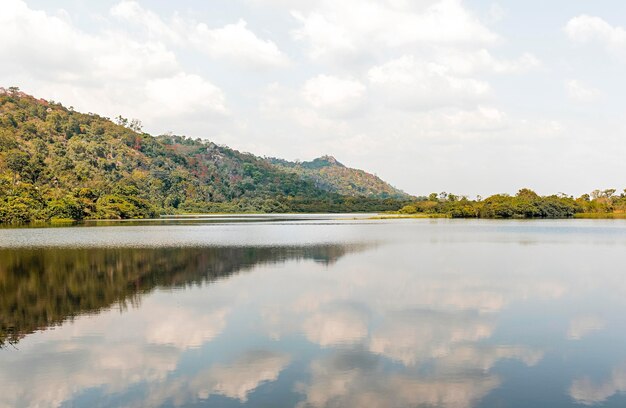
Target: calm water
<point x="314" y="312"/>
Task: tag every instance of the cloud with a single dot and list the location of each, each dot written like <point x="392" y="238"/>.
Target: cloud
<point x="49" y="47"/>
<point x="336" y="96"/>
<point x="235" y="42"/>
<point x="351" y="29"/>
<point x="586" y="29"/>
<point x="155" y="27"/>
<point x="412" y="84"/>
<point x="481" y="61"/>
<point x="184" y="94"/>
<point x="496" y="13"/>
<point x="580" y="92"/>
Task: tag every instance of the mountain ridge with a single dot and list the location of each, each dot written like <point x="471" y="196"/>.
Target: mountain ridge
<point x="327" y="173"/>
<point x="59" y="163"/>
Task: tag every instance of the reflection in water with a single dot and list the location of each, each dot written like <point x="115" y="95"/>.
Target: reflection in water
<point x="583" y="325"/>
<point x="358" y="379"/>
<point x="587" y="392"/>
<point x="445" y="322"/>
<point x="45" y="286"/>
<point x="235" y="380"/>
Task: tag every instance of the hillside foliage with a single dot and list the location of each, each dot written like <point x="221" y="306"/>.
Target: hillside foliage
<point x="330" y="175"/>
<point x="56" y="163"/>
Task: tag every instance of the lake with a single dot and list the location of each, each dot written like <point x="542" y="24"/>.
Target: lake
<point x="314" y="311"/>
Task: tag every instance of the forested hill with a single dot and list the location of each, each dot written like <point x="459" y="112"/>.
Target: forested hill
<point x="330" y="175"/>
<point x="58" y="163"/>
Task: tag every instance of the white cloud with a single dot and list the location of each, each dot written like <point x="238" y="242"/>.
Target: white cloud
<point x="337" y="96"/>
<point x="496" y="13"/>
<point x="52" y="48"/>
<point x="483" y="118"/>
<point x="409" y="83"/>
<point x="586" y="29"/>
<point x="350" y="29"/>
<point x="482" y="61"/>
<point x="184" y="94"/>
<point x="132" y="12"/>
<point x="235" y="42"/>
<point x="580" y="92"/>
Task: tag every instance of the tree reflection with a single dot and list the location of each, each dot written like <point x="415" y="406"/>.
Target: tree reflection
<point x="43" y="287"/>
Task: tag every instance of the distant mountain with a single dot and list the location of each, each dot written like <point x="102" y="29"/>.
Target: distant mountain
<point x="330" y="175"/>
<point x="58" y="163"/>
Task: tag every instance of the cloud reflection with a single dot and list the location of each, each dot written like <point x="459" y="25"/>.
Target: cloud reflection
<point x="358" y="379"/>
<point x="582" y="325"/>
<point x="585" y="391"/>
<point x="234" y="380"/>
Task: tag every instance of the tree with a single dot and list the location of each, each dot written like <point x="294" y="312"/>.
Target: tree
<point x="608" y="193"/>
<point x="122" y="121"/>
<point x="135" y="125"/>
<point x="527" y="193"/>
<point x="16" y="160"/>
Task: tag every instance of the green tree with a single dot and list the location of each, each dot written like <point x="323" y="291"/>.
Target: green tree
<point x="16" y="161"/>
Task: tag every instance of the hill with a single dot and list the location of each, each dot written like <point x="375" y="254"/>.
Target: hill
<point x="330" y="175"/>
<point x="59" y="163"/>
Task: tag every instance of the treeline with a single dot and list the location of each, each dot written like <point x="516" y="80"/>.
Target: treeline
<point x="525" y="204"/>
<point x="58" y="164"/>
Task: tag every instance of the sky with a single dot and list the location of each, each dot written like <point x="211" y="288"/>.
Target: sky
<point x="471" y="97"/>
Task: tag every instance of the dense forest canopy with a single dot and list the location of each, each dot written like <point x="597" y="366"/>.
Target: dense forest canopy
<point x="59" y="164"/>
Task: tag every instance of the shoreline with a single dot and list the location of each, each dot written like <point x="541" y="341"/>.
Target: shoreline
<point x="243" y="217"/>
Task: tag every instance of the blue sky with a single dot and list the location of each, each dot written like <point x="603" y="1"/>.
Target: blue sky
<point x="470" y="97"/>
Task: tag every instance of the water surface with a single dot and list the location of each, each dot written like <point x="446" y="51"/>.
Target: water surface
<point x="314" y="311"/>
